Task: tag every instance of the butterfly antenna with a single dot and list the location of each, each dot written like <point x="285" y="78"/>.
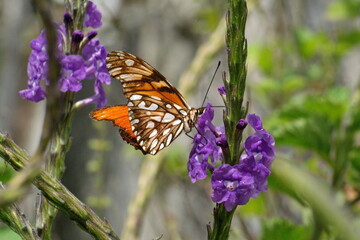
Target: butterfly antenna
<point x="207" y="91"/>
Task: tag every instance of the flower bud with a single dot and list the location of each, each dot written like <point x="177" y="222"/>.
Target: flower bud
<point x="241" y="124"/>
<point x="76" y="39"/>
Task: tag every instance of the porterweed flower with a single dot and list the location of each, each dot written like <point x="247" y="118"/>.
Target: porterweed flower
<point x="232" y="184"/>
<point x="235" y="185"/>
<point x="261" y="144"/>
<point x="95" y="54"/>
<point x="92" y="16"/>
<point x="72" y="73"/>
<point x="222" y="90"/>
<point x="37" y="68"/>
<point x="75" y="67"/>
<point x="205" y="146"/>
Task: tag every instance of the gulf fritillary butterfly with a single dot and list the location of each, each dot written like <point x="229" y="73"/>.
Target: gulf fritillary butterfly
<point x="156" y="112"/>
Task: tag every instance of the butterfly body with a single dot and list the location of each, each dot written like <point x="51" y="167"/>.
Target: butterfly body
<point x="155" y="114"/>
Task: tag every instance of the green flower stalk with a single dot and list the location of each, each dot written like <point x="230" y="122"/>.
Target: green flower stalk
<point x="235" y="88"/>
<point x="244" y="165"/>
<point x="235" y="84"/>
<point x="78" y="56"/>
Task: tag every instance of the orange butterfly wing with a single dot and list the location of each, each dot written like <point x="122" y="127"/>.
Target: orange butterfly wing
<point x="139" y="77"/>
<point x="156" y="108"/>
<point x="119" y="116"/>
<point x="156" y="112"/>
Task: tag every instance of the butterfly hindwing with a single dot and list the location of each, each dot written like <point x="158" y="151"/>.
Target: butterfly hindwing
<point x="155" y="122"/>
<point x="119" y="116"/>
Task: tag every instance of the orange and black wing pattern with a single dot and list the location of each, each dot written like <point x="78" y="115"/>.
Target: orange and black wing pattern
<point x="119" y="116"/>
<point x="155" y="114"/>
<point x="139" y="77"/>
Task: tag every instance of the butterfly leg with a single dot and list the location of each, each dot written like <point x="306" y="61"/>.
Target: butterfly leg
<point x="187" y="134"/>
<point x="201" y="135"/>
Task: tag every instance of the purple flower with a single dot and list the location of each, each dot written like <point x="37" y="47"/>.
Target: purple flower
<point x="91" y="64"/>
<point x="99" y="98"/>
<point x="37" y="68"/>
<point x="34" y="93"/>
<point x="241" y="124"/>
<point x="261" y="144"/>
<point x="234" y="185"/>
<point x="222" y="90"/>
<point x="92" y="16"/>
<point x="222" y="141"/>
<point x="72" y="73"/>
<point x="205" y="146"/>
<point x="95" y="56"/>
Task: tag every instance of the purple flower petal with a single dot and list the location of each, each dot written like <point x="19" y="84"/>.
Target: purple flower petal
<point x="37" y="68"/>
<point x="34" y="94"/>
<point x="255" y="122"/>
<point x="206" y="145"/>
<point x="234" y="185"/>
<point x="72" y="73"/>
<point x="241" y="124"/>
<point x="222" y="90"/>
<point x="92" y="16"/>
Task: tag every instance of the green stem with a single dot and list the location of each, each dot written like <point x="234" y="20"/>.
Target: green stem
<point x="235" y="84"/>
<point x="55" y="166"/>
<point x="344" y="141"/>
<point x="16" y="220"/>
<point x="57" y="194"/>
<point x="235" y="88"/>
<point x="222" y="223"/>
<point x="328" y="213"/>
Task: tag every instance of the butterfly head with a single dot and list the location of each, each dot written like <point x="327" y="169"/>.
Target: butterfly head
<point x="192" y="117"/>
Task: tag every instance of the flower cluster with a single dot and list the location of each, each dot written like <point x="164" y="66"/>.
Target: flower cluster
<point x="232" y="185"/>
<point x="205" y="146"/>
<point x="80" y="59"/>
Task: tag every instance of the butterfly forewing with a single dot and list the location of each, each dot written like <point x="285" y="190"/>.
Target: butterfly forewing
<point x="156" y="109"/>
<point x="138" y="77"/>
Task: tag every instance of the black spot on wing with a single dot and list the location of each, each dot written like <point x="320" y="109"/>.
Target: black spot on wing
<point x="166" y="89"/>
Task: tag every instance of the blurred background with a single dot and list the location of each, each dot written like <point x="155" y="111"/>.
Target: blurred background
<point x="303" y="80"/>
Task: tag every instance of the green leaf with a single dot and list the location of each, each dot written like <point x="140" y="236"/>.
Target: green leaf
<point x="254" y="206"/>
<point x="266" y="60"/>
<point x="8" y="234"/>
<point x="343" y="9"/>
<point x="309" y="122"/>
<point x="6" y="172"/>
<point x="281" y="229"/>
<point x="354" y="173"/>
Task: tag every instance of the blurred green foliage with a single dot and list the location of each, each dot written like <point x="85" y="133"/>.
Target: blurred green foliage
<point x="314" y="114"/>
<point x="281" y="229"/>
<point x="343" y="9"/>
<point x="8" y="234"/>
<point x="6" y="172"/>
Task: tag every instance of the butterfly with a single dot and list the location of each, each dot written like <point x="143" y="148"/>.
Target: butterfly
<point x="155" y="114"/>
